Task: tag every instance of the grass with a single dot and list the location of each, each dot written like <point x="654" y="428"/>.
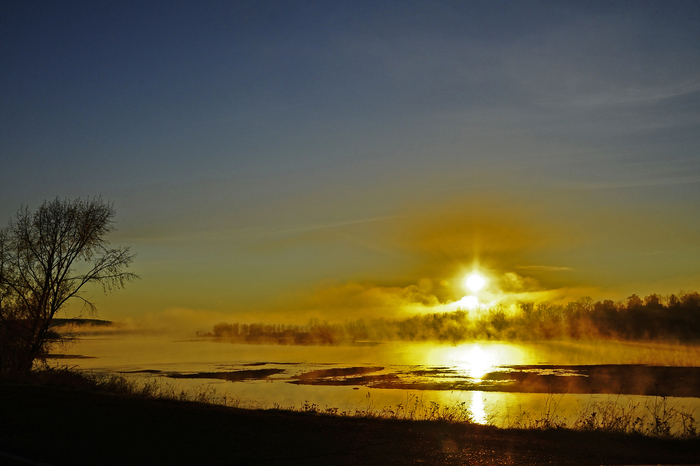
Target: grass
<point x="414" y="409"/>
<point x="660" y="418"/>
<point x="155" y="388"/>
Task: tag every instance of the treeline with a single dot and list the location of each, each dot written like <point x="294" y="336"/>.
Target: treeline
<point x="670" y="318"/>
<point x="314" y="333"/>
<point x="78" y="322"/>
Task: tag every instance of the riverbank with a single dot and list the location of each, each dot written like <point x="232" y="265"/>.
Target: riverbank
<point x="61" y="426"/>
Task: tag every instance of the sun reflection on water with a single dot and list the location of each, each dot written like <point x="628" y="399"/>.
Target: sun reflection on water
<point x="477" y="408"/>
<point x="474" y="361"/>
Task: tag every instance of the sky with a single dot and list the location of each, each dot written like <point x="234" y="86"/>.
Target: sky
<point x="285" y="160"/>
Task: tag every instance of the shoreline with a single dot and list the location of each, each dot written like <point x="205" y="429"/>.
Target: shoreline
<point x="82" y="427"/>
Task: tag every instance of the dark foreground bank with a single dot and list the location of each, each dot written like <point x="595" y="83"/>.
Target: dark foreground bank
<point x="83" y="427"/>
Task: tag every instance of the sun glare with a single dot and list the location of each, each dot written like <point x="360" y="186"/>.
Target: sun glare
<point x="473" y="360"/>
<point x="469" y="302"/>
<point x="474" y="282"/>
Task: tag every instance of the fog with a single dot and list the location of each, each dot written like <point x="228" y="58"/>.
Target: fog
<point x="673" y="318"/>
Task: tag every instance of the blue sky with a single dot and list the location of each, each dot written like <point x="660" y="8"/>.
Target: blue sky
<point x="276" y="157"/>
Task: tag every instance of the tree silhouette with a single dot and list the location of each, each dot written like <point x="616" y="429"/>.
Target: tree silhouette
<point x="46" y="259"/>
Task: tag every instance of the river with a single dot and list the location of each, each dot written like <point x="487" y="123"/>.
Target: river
<point x="495" y="382"/>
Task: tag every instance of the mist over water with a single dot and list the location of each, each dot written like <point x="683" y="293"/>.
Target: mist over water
<point x="118" y="352"/>
<point x="161" y="357"/>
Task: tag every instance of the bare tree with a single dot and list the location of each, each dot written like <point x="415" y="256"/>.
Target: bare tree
<point x="46" y="259"/>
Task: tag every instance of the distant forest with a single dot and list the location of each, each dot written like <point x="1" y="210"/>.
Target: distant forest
<point x="665" y="318"/>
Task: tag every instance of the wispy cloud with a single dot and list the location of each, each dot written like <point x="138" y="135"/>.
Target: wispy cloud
<point x="635" y="183"/>
<point x="545" y="268"/>
<point x="329" y="225"/>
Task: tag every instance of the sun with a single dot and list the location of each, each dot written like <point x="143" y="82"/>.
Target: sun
<point x="474" y="282"/>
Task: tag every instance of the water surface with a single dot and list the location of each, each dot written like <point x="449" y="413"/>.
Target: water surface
<point x="396" y="375"/>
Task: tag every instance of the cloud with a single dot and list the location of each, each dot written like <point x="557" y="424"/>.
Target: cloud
<point x="352" y="300"/>
<point x="509" y="290"/>
<point x="378" y="295"/>
<point x="370" y="300"/>
<point x="648" y="181"/>
<point x="330" y="225"/>
<point x="512" y="283"/>
<point x="491" y="230"/>
<point x="545" y="268"/>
